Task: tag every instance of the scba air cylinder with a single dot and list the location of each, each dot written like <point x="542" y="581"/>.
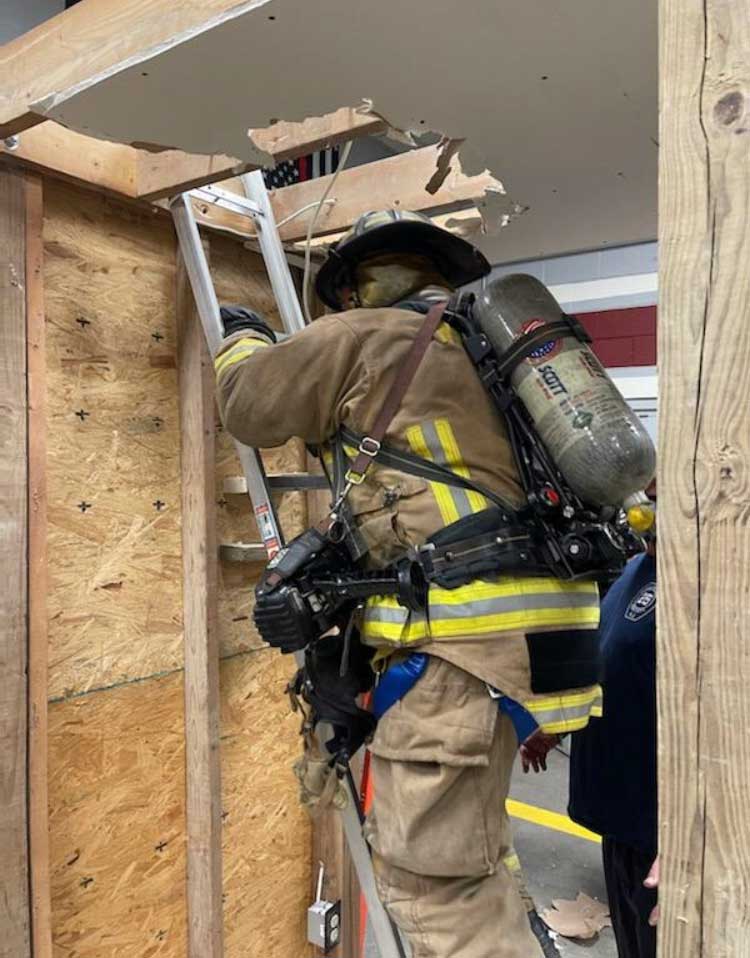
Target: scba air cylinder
<point x="598" y="443"/>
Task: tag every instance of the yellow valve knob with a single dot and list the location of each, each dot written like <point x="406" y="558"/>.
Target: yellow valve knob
<point x="641" y="518"/>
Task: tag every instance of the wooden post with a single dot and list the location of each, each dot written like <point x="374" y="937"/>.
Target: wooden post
<point x="704" y="479"/>
<point x="15" y="939"/>
<point x="199" y="552"/>
<point x="41" y="924"/>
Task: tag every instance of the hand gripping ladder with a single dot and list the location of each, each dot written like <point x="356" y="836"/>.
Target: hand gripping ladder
<point x="256" y="205"/>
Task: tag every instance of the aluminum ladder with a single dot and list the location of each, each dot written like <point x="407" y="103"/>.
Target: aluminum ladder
<point x="256" y="205"/>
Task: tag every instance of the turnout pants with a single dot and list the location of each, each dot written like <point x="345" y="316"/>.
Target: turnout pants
<point x="441" y="765"/>
<point x="630" y="904"/>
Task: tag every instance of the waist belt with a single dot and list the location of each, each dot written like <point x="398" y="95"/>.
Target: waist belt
<point x="490" y="542"/>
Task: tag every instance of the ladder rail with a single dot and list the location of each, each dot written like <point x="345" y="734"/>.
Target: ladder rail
<point x="384" y="931"/>
<point x="207" y="304"/>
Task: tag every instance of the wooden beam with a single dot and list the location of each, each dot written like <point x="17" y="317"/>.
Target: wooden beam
<point x="52" y="149"/>
<point x="37" y="504"/>
<point x="172" y="171"/>
<point x="90" y="39"/>
<point x="203" y="772"/>
<point x="399" y="182"/>
<point x="704" y="446"/>
<point x="140" y="174"/>
<point x="14" y="857"/>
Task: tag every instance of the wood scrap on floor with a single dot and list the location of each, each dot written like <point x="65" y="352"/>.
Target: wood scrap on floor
<point x="583" y="918"/>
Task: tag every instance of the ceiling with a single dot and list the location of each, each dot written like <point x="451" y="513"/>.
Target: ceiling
<point x="557" y="99"/>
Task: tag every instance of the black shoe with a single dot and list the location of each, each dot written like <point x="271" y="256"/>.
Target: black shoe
<point x="542" y="935"/>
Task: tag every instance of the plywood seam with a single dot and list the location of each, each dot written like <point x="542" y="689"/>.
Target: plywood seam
<point x="144" y="678"/>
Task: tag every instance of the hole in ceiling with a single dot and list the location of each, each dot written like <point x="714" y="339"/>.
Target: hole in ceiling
<point x="144" y="74"/>
<point x="272" y="18"/>
<point x="545" y="77"/>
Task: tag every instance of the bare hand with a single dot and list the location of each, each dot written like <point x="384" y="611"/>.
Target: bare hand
<point x="534" y="751"/>
<point x="652" y="881"/>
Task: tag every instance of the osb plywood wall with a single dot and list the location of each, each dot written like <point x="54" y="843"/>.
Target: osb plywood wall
<point x="116" y="762"/>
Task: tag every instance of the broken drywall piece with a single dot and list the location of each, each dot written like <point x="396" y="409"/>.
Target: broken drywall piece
<point x="529" y="88"/>
<point x="498" y="210"/>
<point x="448" y="150"/>
<point x="583" y="918"/>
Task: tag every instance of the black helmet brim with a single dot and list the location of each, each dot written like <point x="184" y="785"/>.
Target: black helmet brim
<point x="455" y="259"/>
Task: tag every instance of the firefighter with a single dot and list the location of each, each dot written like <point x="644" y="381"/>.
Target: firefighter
<point x="443" y="752"/>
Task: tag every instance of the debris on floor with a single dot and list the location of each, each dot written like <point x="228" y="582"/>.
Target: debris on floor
<point x="583" y="918"/>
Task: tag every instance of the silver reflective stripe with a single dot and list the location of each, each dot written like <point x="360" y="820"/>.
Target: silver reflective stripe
<point x="565" y="714"/>
<point x="459" y="496"/>
<point x="381" y="613"/>
<point x="512" y="603"/>
<point x="495" y="606"/>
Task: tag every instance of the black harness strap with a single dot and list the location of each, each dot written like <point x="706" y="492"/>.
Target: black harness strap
<point x="414" y="465"/>
<point x="525" y="345"/>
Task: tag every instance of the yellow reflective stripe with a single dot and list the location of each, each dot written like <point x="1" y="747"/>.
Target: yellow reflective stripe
<point x="483" y="589"/>
<point x="454" y="461"/>
<point x="445" y="503"/>
<point x="559" y="714"/>
<point x="238" y="351"/>
<point x="571" y="700"/>
<point x="548" y="819"/>
<point x="481" y="607"/>
<point x="447" y="334"/>
<point x="415" y="630"/>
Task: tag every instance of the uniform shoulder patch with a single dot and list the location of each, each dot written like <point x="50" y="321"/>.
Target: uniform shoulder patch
<point x="642" y="604"/>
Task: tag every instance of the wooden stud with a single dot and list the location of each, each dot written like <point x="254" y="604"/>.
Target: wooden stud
<point x="196" y="384"/>
<point x="14" y="854"/>
<point x="704" y="465"/>
<point x="38" y="638"/>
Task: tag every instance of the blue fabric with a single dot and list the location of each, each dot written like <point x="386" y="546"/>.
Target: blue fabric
<point x="396" y="682"/>
<point x="523" y="722"/>
<point x="403" y="676"/>
<point x="613" y="760"/>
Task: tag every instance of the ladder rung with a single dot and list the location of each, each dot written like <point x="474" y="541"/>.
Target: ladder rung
<point x="233" y="202"/>
<point x="243" y="552"/>
<point x="286" y="482"/>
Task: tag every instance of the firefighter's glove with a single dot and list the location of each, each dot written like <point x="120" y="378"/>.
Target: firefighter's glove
<point x="236" y="318"/>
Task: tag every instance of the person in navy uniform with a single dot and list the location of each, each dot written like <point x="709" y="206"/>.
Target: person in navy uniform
<point x="613" y="761"/>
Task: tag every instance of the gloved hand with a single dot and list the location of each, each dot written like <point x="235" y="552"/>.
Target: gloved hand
<point x="236" y="318"/>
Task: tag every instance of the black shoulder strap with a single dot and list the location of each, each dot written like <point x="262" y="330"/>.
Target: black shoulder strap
<point x="414" y="465"/>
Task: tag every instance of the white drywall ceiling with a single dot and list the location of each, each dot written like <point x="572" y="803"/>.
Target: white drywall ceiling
<point x="558" y="98"/>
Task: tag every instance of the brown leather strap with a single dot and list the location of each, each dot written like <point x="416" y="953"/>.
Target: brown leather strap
<point x="370" y="445"/>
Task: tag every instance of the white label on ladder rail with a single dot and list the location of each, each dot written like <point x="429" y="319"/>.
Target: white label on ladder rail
<point x="266" y="529"/>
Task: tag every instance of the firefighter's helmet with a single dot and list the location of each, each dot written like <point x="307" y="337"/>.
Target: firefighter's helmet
<point x="397" y="231"/>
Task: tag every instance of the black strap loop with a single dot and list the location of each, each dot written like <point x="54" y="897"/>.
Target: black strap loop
<point x="524" y="346"/>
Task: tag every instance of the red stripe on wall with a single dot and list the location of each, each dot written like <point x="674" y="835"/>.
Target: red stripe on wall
<point x="623" y="337"/>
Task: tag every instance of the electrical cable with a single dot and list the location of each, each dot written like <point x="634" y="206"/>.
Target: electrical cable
<point x="303" y="209"/>
<point x="311" y="227"/>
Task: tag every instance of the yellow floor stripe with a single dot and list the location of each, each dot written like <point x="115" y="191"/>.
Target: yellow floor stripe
<point x="548" y="819"/>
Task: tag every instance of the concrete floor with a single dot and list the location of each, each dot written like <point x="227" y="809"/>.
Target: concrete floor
<point x="556" y="865"/>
